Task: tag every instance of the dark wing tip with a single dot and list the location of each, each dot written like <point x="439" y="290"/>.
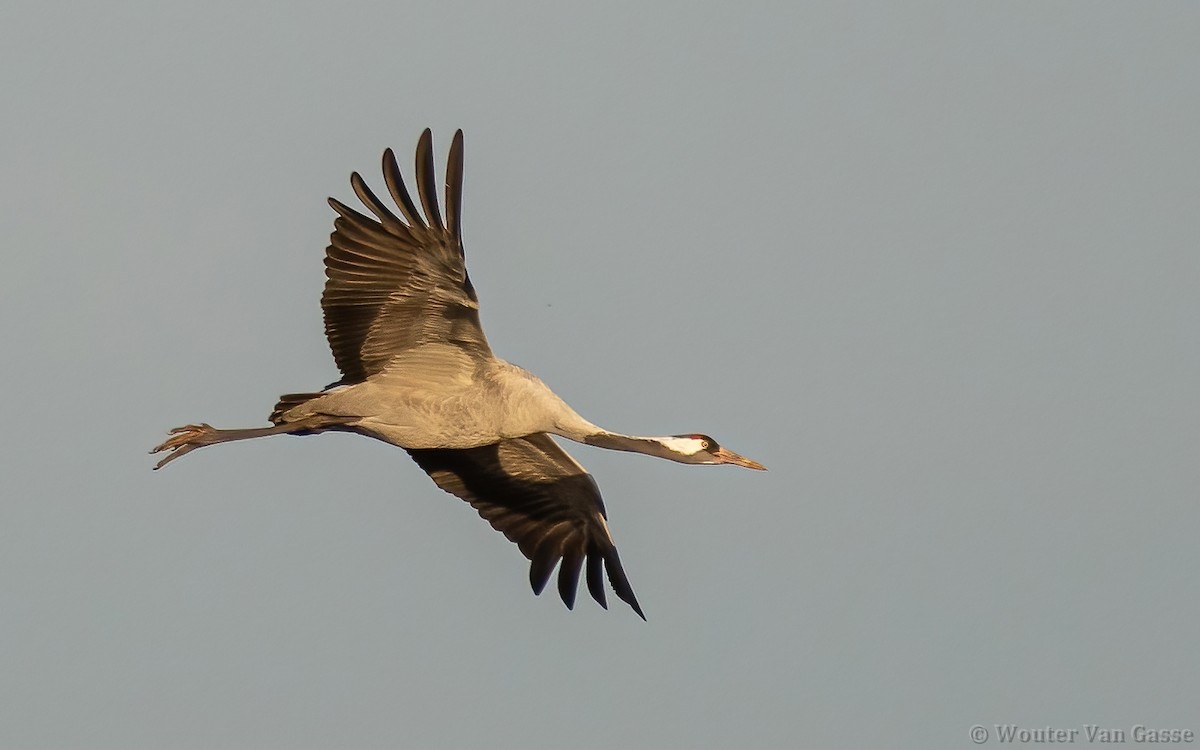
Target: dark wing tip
<point x="620" y="582"/>
<point x="426" y="182"/>
<point x="595" y="579"/>
<point x="541" y="566"/>
<point x="374" y="205"/>
<point x="395" y="186"/>
<point x="346" y="212"/>
<point x="568" y="574"/>
<point x="454" y="186"/>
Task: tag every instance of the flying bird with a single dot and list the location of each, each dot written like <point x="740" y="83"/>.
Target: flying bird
<point x="402" y="319"/>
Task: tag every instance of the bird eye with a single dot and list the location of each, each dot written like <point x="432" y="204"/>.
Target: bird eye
<point x="705" y="445"/>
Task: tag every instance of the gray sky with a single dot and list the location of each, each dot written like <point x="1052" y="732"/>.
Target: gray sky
<point x="934" y="264"/>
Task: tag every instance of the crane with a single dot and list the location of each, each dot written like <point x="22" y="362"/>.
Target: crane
<point x="402" y="320"/>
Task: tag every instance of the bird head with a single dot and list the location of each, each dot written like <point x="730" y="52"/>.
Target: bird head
<point x="702" y="449"/>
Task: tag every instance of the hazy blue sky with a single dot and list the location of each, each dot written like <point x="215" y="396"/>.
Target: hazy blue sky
<point x="935" y="264"/>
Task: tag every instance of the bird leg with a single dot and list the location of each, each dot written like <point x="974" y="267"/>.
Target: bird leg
<point x="188" y="438"/>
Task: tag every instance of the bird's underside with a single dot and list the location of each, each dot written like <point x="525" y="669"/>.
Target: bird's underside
<point x="402" y="320"/>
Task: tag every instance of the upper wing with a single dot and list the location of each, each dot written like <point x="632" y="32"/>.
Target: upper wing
<point x="534" y="493"/>
<point x="392" y="284"/>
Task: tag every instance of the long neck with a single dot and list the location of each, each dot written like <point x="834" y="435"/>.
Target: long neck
<point x="651" y="446"/>
<point x="574" y="427"/>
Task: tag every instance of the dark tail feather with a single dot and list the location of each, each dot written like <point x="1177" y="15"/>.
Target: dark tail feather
<point x="289" y="401"/>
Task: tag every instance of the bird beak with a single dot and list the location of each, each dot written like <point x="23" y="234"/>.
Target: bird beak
<point x="726" y="456"/>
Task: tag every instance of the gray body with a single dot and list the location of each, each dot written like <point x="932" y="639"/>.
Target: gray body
<point x="434" y="397"/>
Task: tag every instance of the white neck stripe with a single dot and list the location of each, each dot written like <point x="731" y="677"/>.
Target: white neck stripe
<point x="685" y="445"/>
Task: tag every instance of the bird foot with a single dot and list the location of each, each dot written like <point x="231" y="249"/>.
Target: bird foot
<point x="184" y="440"/>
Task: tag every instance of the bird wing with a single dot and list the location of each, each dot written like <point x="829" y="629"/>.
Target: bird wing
<point x="393" y="284"/>
<point x="533" y="492"/>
